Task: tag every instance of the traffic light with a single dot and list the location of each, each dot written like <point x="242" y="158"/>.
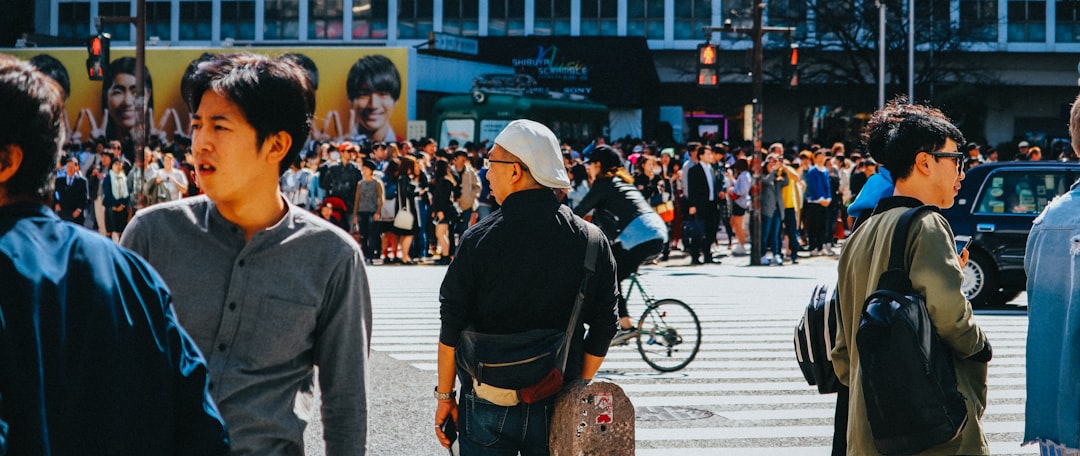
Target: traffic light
<point x="793" y="67"/>
<point x="98" y="49"/>
<point x="707" y="66"/>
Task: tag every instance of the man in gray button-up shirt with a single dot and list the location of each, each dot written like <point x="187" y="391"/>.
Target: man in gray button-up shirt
<point x="266" y="289"/>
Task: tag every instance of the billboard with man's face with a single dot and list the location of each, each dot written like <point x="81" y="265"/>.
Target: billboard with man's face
<point x="360" y="91"/>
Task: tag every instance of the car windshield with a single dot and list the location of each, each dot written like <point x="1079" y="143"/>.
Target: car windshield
<point x="1021" y="192"/>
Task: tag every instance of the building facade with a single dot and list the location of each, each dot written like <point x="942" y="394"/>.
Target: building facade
<point x="1004" y="67"/>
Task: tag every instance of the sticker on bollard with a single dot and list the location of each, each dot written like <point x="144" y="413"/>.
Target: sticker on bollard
<point x="592" y="418"/>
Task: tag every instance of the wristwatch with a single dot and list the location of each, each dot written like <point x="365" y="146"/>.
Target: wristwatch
<point x="444" y="396"/>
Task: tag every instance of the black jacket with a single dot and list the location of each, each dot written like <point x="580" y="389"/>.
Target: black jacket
<point x="616" y="204"/>
<point x="75" y="196"/>
<point x="697" y="194"/>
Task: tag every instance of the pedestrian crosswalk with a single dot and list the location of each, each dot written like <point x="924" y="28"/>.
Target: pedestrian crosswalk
<point x="745" y="388"/>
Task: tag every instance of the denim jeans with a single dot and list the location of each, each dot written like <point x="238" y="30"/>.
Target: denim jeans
<point x="489" y="429"/>
<point x="770" y="234"/>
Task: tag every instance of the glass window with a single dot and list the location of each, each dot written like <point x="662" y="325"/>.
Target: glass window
<point x="415" y="18"/>
<point x="1067" y="27"/>
<point x="74" y="20"/>
<point x="599" y="17"/>
<point x="282" y="20"/>
<point x="489" y="129"/>
<point x="119" y="32"/>
<point x="460" y="129"/>
<point x="552" y="17"/>
<point x="645" y="18"/>
<point x="506" y="18"/>
<point x="978" y="20"/>
<point x="325" y="19"/>
<point x="159" y="20"/>
<point x="791" y="13"/>
<point x="1027" y="21"/>
<point x="238" y="20"/>
<point x="932" y="20"/>
<point x="1021" y="193"/>
<point x="461" y="17"/>
<point x="370" y="19"/>
<point x="196" y="17"/>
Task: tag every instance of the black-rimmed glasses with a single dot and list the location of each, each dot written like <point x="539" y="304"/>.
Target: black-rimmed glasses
<point x="959" y="157"/>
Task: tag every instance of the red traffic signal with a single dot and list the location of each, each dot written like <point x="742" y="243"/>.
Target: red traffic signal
<point x="97" y="48"/>
<point x="707" y="66"/>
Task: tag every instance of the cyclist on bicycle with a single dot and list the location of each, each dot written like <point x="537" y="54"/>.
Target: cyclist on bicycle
<point x="635" y="230"/>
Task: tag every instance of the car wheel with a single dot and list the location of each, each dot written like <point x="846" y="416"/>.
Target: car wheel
<point x="980" y="280"/>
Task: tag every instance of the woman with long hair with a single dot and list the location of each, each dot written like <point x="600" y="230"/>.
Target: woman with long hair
<point x="579" y="185"/>
<point x="442" y="206"/>
<point x="408" y="172"/>
<point x="635" y="230"/>
<point x="740" y="199"/>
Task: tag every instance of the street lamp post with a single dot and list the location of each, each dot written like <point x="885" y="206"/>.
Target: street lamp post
<point x="141" y="120"/>
<point x="756" y="33"/>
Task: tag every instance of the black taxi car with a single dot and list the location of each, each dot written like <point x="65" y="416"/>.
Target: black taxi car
<point x="996" y="206"/>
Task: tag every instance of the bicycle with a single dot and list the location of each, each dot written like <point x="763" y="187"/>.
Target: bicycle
<point x="668" y="332"/>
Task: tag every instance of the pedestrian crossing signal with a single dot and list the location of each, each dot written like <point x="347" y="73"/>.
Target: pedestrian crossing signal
<point x="707" y="74"/>
<point x="97" y="48"/>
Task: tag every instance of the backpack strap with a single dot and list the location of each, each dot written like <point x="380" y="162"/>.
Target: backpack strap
<point x="592" y="251"/>
<point x="896" y="276"/>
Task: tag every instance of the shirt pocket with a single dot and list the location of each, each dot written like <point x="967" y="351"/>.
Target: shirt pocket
<point x="283" y="332"/>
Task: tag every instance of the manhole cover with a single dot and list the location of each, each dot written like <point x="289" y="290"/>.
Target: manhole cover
<point x="670" y="413"/>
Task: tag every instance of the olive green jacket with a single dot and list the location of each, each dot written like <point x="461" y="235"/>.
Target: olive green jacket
<point x="936" y="274"/>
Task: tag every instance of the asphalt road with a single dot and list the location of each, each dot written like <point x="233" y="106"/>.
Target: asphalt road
<point x="742" y="395"/>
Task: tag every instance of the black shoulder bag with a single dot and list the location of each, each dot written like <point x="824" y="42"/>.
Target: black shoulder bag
<point x="530" y="363"/>
<point x="908" y="380"/>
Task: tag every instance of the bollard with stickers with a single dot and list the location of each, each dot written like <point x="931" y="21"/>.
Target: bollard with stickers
<point x="592" y="418"/>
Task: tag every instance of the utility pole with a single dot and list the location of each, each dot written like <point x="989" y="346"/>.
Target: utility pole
<point x="141" y="120"/>
<point x="757" y="77"/>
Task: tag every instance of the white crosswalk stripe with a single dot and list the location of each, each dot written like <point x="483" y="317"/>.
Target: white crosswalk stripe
<point x="745" y="377"/>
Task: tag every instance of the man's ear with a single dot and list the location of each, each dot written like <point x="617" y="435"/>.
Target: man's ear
<point x="277" y="146"/>
<point x="922" y="163"/>
<point x="11" y="157"/>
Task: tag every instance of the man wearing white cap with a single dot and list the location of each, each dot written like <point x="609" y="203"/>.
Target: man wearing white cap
<point x="520" y="269"/>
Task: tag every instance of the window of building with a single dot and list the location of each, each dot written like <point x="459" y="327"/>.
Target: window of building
<point x="506" y="18"/>
<point x="282" y="20"/>
<point x="370" y="19"/>
<point x="74" y="20"/>
<point x="979" y="20"/>
<point x="552" y="17"/>
<point x="932" y="21"/>
<point x="159" y="20"/>
<point x="415" y="18"/>
<point x="1067" y="27"/>
<point x="790" y="13"/>
<point x="1027" y="21"/>
<point x="119" y="32"/>
<point x="599" y="17"/>
<point x="461" y="17"/>
<point x="326" y="19"/>
<point x="196" y="17"/>
<point x="645" y="18"/>
<point x="690" y="17"/>
<point x="238" y="20"/>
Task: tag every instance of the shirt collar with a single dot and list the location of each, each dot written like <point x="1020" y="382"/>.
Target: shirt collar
<point x="525" y="198"/>
<point x="28" y="209"/>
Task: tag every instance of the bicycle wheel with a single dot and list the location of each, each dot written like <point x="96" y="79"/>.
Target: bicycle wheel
<point x="669" y="335"/>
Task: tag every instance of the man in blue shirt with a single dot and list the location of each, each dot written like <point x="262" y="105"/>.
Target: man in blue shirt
<point x="92" y="358"/>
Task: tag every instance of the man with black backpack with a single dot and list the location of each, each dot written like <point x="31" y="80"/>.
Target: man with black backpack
<point x="921" y="153"/>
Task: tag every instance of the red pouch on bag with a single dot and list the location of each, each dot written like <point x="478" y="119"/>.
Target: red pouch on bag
<point x="547" y="387"/>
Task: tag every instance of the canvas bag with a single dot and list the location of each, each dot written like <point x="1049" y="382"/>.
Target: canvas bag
<point x="525" y="366"/>
<point x="815" y="336"/>
<point x="908" y="380"/>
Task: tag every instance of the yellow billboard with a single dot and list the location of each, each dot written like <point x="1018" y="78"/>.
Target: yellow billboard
<point x="380" y="116"/>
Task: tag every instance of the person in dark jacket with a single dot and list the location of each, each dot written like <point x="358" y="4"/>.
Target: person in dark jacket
<point x="635" y="230"/>
<point x="702" y="202"/>
<point x="92" y="357"/>
<point x="72" y="193"/>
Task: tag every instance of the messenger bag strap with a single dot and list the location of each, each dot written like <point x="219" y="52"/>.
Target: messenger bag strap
<point x="591" y="254"/>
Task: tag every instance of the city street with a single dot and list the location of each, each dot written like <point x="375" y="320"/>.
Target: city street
<point x="743" y="394"/>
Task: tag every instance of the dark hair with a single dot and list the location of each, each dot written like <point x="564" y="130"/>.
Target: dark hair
<point x="122" y="65"/>
<point x="461" y="153"/>
<point x="442" y="170"/>
<point x="31" y="119"/>
<point x="307" y="64"/>
<point x="274" y="95"/>
<point x="919" y="132"/>
<point x="374" y="73"/>
<point x="886" y="119"/>
<point x="741" y="165"/>
<point x="578" y="174"/>
<point x="369" y="164"/>
<point x="53" y="68"/>
<point x="606" y="156"/>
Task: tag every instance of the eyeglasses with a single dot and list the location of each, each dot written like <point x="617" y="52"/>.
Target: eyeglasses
<point x="959" y="157"/>
<point x="488" y="162"/>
